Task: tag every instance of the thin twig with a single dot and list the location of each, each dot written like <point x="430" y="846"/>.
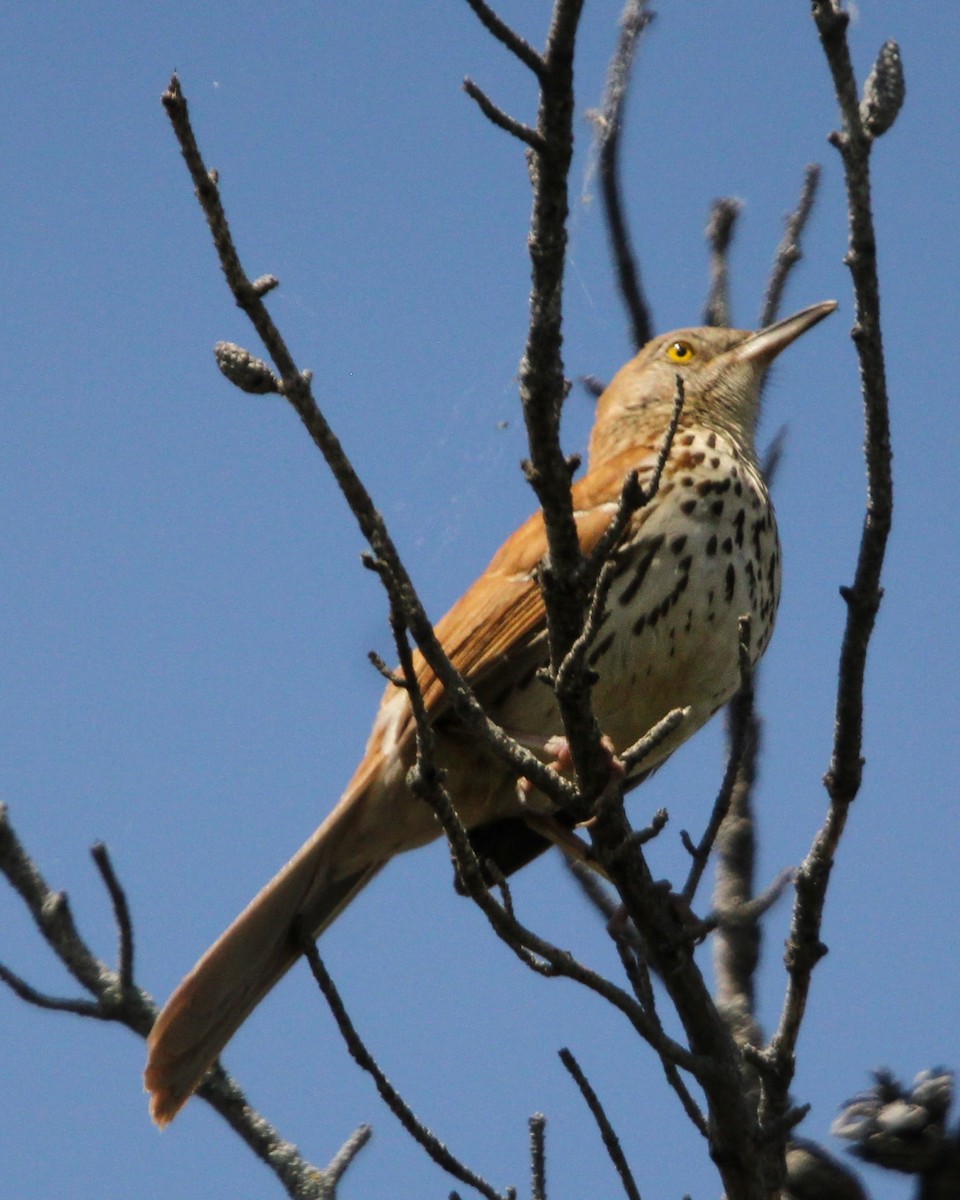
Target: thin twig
<point x="538" y="1157"/>
<point x="536" y="952"/>
<point x="51" y="913"/>
<point x="591" y="886"/>
<point x="761" y="904"/>
<point x="842" y="780"/>
<point x="28" y="993"/>
<point x="387" y="672"/>
<point x="610" y="1140"/>
<point x="296" y="388"/>
<point x="338" y="1165"/>
<point x="500" y="118"/>
<point x="773" y="456"/>
<point x="634" y="495"/>
<point x="740" y="709"/>
<point x="633" y="959"/>
<point x="508" y="37"/>
<point x="720" y="227"/>
<point x="644" y="746"/>
<point x="608" y="126"/>
<point x="129" y="1005"/>
<point x="736" y="948"/>
<point x="121" y="913"/>
<point x="789" y="252"/>
<point x="394" y="1101"/>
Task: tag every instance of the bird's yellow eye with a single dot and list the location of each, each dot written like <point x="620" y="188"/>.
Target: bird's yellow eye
<point x="680" y="352"/>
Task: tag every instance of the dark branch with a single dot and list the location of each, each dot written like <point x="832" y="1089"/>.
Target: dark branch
<point x="536" y="952"/>
<point x="644" y="746"/>
<point x="633" y="496"/>
<point x="736" y="948"/>
<point x="733" y="1126"/>
<point x="295" y="386"/>
<point x="508" y="37"/>
<point x="28" y="993"/>
<point x="538" y="1157"/>
<point x="804" y="947"/>
<point x="608" y="124"/>
<point x="394" y="1101"/>
<point x="121" y="914"/>
<point x="789" y="252"/>
<point x="740" y="709"/>
<point x="720" y="227"/>
<point x="610" y="1140"/>
<point x="863" y="598"/>
<point x="338" y="1165"/>
<point x="126" y="1004"/>
<point x="501" y="119"/>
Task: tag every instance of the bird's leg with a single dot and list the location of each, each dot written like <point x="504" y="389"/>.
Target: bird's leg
<point x="557" y="749"/>
<point x="556" y="832"/>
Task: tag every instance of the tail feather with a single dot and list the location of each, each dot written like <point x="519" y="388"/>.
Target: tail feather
<point x="242" y="966"/>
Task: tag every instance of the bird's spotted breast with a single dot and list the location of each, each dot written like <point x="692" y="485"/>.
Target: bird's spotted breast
<point x="697" y="560"/>
<point x="703" y="553"/>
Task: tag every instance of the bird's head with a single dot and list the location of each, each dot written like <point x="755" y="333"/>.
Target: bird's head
<point x="722" y="371"/>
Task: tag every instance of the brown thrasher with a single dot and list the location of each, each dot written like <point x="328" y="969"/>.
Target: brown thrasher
<point x="695" y="559"/>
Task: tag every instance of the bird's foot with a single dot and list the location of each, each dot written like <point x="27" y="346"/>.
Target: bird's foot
<point x="559" y="757"/>
<point x="561" y="835"/>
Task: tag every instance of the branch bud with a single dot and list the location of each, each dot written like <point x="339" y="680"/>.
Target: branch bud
<point x="883" y="92"/>
<point x="245" y="370"/>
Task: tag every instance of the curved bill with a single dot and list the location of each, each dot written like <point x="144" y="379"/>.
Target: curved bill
<point x="764" y="345"/>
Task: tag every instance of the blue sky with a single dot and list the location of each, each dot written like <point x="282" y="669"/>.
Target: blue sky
<point x="185" y="621"/>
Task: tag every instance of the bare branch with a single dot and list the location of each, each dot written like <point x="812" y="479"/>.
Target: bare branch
<point x="502" y="119"/>
<point x="633" y="958"/>
<point x="608" y="126"/>
<point x="740" y="710"/>
<point x="610" y="1140"/>
<point x="28" y="993"/>
<point x="720" y="227"/>
<point x="804" y="947"/>
<point x="508" y="37"/>
<point x="736" y="947"/>
<point x="592" y="887"/>
<point x="863" y="598"/>
<point x="643" y="747"/>
<point x="51" y="912"/>
<point x="538" y="1157"/>
<point x="536" y="952"/>
<point x="789" y="251"/>
<point x="118" y="999"/>
<point x="633" y="496"/>
<point x="773" y="456"/>
<point x="295" y="386"/>
<point x="121" y="914"/>
<point x="341" y="1161"/>
<point x="734" y="1128"/>
<point x="543" y="388"/>
<point x="394" y="1101"/>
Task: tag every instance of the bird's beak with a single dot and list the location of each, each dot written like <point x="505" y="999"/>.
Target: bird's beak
<point x="763" y="346"/>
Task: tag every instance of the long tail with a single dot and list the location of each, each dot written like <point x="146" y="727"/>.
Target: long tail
<point x="242" y="966"/>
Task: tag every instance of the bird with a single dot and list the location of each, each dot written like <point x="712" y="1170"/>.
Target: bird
<point x="703" y="553"/>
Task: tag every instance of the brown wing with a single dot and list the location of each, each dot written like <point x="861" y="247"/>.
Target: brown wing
<point x="500" y="619"/>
